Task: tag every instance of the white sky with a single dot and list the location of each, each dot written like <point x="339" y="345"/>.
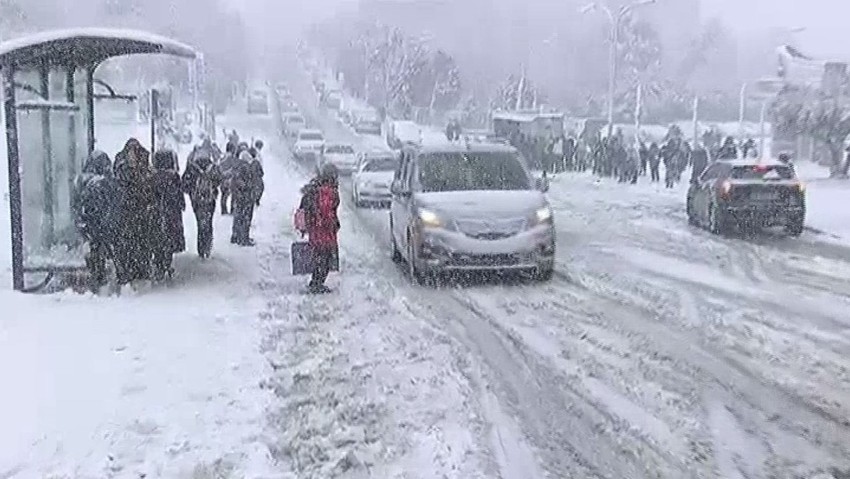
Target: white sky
<point x="826" y="21"/>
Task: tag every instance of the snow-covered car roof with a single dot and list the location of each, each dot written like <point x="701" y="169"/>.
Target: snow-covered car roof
<point x="83" y="46"/>
<point x="520" y="116"/>
<point x="752" y="162"/>
<point x="310" y="131"/>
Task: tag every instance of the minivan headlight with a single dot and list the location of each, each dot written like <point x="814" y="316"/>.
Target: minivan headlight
<point x="429" y="219"/>
<point x="543" y="215"/>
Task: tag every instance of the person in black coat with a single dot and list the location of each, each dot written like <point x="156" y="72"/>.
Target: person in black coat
<point x="654" y="157"/>
<point x="136" y="213"/>
<point x="245" y="183"/>
<point x="170" y="205"/>
<point x="201" y="181"/>
<point x="700" y="162"/>
<point x="729" y="151"/>
<point x="93" y="203"/>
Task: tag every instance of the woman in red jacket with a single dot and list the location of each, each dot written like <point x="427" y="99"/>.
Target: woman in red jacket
<point x="319" y="203"/>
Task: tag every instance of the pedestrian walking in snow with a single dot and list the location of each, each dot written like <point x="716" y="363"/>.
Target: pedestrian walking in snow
<point x="654" y="157"/>
<point x="93" y="204"/>
<point x="319" y="203"/>
<point x="201" y="182"/>
<point x="134" y="250"/>
<point x="170" y="205"/>
<point x="700" y="162"/>
<point x="244" y="186"/>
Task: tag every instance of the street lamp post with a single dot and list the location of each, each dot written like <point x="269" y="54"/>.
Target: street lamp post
<point x="616" y="20"/>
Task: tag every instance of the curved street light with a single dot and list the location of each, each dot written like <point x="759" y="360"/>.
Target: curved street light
<point x="615" y="19"/>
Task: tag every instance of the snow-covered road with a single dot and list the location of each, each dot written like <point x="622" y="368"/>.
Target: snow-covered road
<point x="659" y="350"/>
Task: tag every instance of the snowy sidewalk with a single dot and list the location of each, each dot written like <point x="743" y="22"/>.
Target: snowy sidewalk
<point x="163" y="383"/>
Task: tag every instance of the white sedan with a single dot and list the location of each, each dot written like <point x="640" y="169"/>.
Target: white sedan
<point x="342" y="156"/>
<point x="372" y="179"/>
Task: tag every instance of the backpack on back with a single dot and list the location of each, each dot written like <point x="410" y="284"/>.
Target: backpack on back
<point x="205" y="189"/>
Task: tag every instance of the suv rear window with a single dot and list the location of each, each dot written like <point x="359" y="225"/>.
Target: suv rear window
<point x="472" y="172"/>
<point x="762" y="172"/>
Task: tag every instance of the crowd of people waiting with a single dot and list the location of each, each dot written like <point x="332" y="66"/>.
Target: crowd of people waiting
<point x="618" y="158"/>
<point x="131" y="212"/>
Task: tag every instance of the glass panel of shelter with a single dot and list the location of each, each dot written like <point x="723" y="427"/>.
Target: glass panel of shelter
<point x="52" y="140"/>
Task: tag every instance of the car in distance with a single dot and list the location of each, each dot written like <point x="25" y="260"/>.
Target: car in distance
<point x="293" y="123"/>
<point x="309" y="145"/>
<point x="371" y="180"/>
<point x="747" y="192"/>
<point x="258" y="102"/>
<point x="342" y="156"/>
<point x="472" y="207"/>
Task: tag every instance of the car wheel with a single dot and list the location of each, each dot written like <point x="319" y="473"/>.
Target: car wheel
<point x="795" y="227"/>
<point x="716" y="221"/>
<point x="412" y="270"/>
<point x="396" y="253"/>
<point x="544" y="274"/>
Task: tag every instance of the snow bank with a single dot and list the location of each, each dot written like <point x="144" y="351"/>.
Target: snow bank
<point x="165" y="383"/>
<point x="827" y="199"/>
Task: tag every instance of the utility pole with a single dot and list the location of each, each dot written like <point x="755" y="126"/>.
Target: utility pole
<point x="616" y="22"/>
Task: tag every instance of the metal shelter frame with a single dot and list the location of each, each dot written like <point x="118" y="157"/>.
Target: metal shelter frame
<point x="73" y="52"/>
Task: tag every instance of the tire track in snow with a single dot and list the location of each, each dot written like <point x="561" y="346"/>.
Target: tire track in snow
<point x="510" y="452"/>
<point x="787" y="419"/>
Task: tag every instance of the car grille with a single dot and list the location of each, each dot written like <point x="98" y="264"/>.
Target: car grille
<point x="486" y="260"/>
<point x="491" y="229"/>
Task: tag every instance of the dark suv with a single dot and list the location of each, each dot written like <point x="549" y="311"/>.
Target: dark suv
<point x="747" y="193"/>
<point x="472" y="207"/>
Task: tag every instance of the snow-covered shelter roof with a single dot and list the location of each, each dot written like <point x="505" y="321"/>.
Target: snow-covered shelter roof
<point x="86" y="46"/>
<point x="519" y="116"/>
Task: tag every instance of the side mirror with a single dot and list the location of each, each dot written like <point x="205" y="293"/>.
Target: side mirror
<point x="542" y="184"/>
<point x="397" y="189"/>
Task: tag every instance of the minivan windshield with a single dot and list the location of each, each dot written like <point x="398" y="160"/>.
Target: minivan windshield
<point x="472" y="172"/>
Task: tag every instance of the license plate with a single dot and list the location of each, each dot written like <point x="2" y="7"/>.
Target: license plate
<point x="765" y="196"/>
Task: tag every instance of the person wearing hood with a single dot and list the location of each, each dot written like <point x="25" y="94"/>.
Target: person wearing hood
<point x="136" y="206"/>
<point x="93" y="204"/>
<point x="257" y="174"/>
<point x="258" y="147"/>
<point x="319" y="203"/>
<point x="170" y="205"/>
<point x="205" y="148"/>
<point x="729" y="151"/>
<point x="244" y="186"/>
<point x="201" y="181"/>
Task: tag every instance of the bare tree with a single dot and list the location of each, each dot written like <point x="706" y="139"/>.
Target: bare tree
<point x="819" y="114"/>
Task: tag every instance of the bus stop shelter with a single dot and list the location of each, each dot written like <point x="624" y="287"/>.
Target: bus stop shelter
<point x="49" y="106"/>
